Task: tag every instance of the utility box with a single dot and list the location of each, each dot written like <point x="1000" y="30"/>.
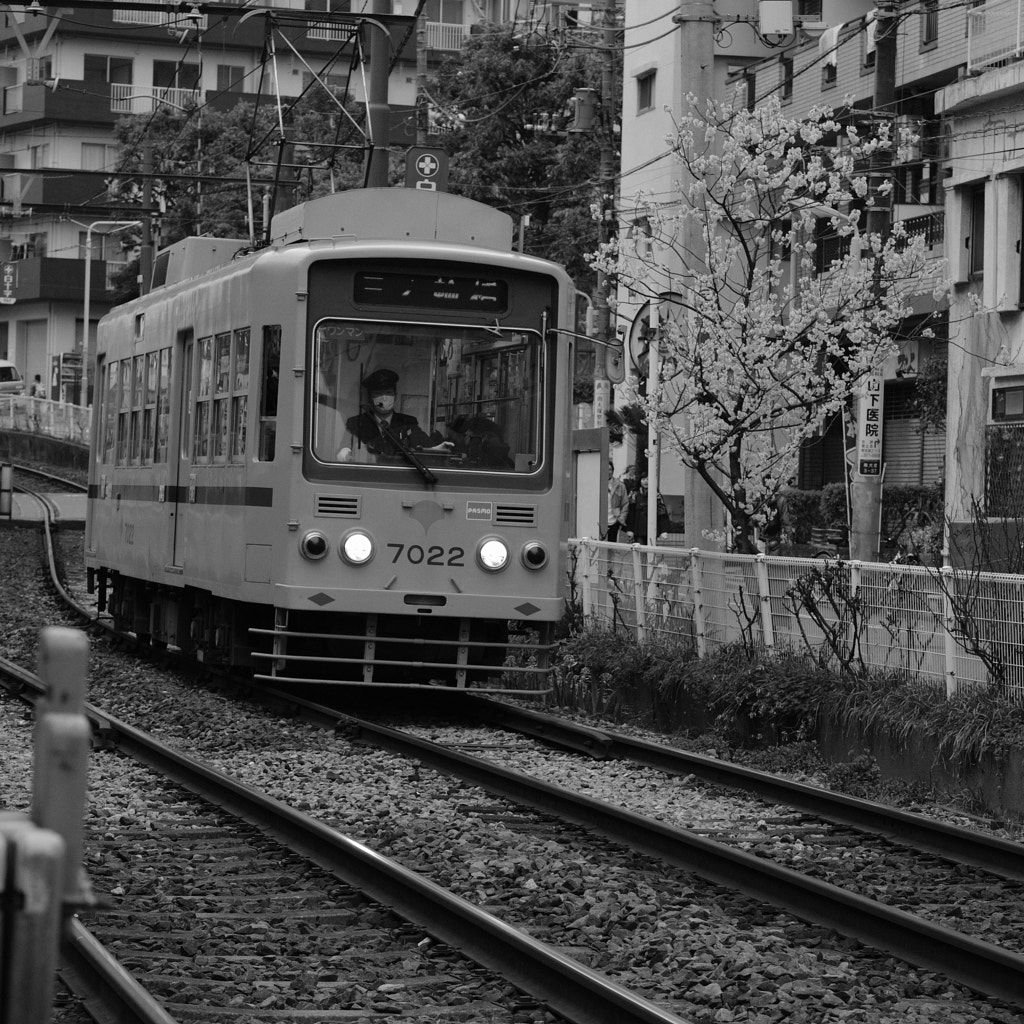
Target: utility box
<point x="775" y="17"/>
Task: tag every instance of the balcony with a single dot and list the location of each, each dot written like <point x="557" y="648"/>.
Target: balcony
<point x="173" y="19"/>
<point x="446" y="36"/>
<point x="51" y="279"/>
<point x="995" y="34"/>
<point x="134" y="99"/>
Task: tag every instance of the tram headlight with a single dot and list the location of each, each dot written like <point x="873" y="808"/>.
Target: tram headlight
<point x="356" y="548"/>
<point x="314" y="545"/>
<point x="492" y="554"/>
<point x="534" y="555"/>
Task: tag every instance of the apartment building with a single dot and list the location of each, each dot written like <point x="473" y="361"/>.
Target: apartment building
<point x="68" y="74"/>
<point x="982" y="114"/>
<point x="827" y="55"/>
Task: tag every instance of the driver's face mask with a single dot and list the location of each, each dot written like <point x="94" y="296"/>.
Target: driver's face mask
<point x="383" y="403"/>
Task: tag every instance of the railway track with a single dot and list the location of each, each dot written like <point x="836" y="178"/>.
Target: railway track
<point x="940" y="948"/>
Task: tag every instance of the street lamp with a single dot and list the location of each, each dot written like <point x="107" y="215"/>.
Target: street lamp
<point x="89" y="343"/>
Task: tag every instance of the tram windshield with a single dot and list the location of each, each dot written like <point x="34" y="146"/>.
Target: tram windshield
<point x="436" y="397"/>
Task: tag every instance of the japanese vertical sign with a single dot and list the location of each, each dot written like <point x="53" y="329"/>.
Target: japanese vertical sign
<point x="869" y="427"/>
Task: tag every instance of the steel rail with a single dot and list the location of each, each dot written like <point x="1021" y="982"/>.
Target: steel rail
<point x="991" y="853"/>
<point x="571" y="989"/>
<point x="979" y="965"/>
<point x="99" y="979"/>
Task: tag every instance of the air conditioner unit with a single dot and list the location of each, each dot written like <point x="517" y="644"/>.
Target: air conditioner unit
<point x="1006" y="397"/>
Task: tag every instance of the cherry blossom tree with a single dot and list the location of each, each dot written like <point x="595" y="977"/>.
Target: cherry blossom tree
<point x="775" y="303"/>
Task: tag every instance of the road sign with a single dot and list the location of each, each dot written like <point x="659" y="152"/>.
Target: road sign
<point x="8" y="282"/>
<point x="869" y="427"/>
<point x="426" y="169"/>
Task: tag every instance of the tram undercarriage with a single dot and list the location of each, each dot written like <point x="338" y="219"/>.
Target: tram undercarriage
<point x="286" y="648"/>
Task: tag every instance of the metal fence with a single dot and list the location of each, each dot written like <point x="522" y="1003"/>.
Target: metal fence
<point x="41" y="416"/>
<point x="959" y="628"/>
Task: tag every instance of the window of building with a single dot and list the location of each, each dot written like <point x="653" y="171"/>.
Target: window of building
<point x="448" y="12"/>
<point x="829" y="74"/>
<point x="929" y="22"/>
<point x="230" y="77"/>
<point x="104" y="246"/>
<point x="867" y="53"/>
<point x="810" y="9"/>
<point x="39" y="156"/>
<point x="976" y="225"/>
<point x="171" y="74"/>
<point x="645" y="91"/>
<point x="97" y="156"/>
<point x="338" y="84"/>
<point x="100" y="68"/>
<point x="786" y="71"/>
<point x="30" y="246"/>
<point x="331" y="6"/>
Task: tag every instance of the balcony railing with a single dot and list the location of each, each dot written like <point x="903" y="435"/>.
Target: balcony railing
<point x="994" y="33"/>
<point x="133" y="99"/>
<point x="173" y="18"/>
<point x="931" y="225"/>
<point x="446" y="36"/>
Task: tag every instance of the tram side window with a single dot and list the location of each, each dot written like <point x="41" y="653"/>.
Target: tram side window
<point x="270" y="375"/>
<point x="125" y="380"/>
<point x="138" y="393"/>
<point x="149" y="408"/>
<point x="239" y="394"/>
<point x="163" y="405"/>
<point x="110" y="409"/>
<point x="201" y="445"/>
<point x="222" y="394"/>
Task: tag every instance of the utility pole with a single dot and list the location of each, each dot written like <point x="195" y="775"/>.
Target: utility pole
<point x="606" y="176"/>
<point x="696" y="63"/>
<point x="146" y="249"/>
<point x="422" y="103"/>
<point x="377" y="110"/>
<point x="866" y="488"/>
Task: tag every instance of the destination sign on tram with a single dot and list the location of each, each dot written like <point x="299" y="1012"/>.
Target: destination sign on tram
<point x="432" y="291"/>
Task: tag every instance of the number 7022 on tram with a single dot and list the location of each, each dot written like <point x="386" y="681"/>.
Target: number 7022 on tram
<point x="342" y="457"/>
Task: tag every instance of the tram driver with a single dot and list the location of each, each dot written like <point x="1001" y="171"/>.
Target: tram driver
<point x="381" y="430"/>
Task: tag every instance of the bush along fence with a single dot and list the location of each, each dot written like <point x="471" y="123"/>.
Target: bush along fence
<point x="960" y="628"/>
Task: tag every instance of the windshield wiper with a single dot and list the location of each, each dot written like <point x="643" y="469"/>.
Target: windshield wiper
<point x="410" y="456"/>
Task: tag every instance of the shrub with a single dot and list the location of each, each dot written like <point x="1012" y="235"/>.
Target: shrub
<point x="833" y="505"/>
<point x="803" y="511"/>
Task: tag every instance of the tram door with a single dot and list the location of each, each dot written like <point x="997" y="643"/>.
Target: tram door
<point x="184" y="481"/>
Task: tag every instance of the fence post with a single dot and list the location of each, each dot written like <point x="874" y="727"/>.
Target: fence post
<point x="696" y="582"/>
<point x="855" y="571"/>
<point x="588" y="567"/>
<point x="61" y="749"/>
<point x="765" y="598"/>
<point x="32" y="918"/>
<point x="948" y="620"/>
<point x="638" y="594"/>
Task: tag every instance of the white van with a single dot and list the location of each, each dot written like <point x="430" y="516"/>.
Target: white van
<point x="11" y="380"/>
